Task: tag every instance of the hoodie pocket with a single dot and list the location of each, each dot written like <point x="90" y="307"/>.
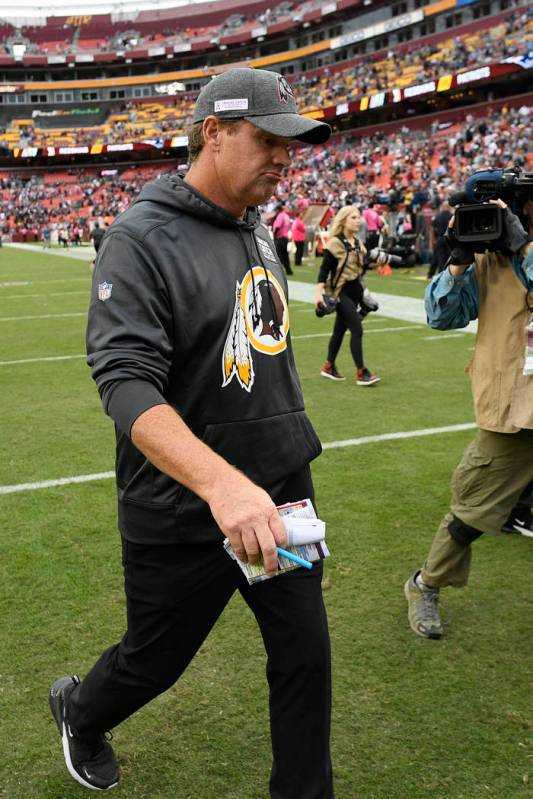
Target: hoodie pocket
<point x="266" y="450"/>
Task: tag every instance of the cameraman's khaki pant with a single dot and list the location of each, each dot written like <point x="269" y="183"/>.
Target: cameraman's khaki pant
<point x="486" y="485"/>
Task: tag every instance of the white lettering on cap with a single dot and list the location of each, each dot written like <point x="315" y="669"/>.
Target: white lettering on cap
<point x="231" y="105"/>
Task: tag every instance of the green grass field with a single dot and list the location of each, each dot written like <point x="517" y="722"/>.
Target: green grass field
<point x="412" y="719"/>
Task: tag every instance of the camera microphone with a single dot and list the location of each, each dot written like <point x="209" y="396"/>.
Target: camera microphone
<point x="458" y="198"/>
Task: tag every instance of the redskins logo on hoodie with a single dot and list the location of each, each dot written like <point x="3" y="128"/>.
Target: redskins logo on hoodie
<point x="260" y="321"/>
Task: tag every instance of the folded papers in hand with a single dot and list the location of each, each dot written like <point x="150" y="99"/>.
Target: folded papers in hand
<point x="305" y="537"/>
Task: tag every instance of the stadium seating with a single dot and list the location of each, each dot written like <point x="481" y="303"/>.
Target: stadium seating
<point x="360" y="77"/>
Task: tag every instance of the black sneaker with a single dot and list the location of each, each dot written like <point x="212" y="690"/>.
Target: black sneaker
<point x="520" y="521"/>
<point x="89" y="758"/>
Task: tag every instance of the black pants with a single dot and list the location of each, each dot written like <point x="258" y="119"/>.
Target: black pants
<point x="283" y="254"/>
<point x="439" y="257"/>
<point x="299" y="252"/>
<point x="174" y="595"/>
<point x="347" y="317"/>
<point x="372" y="239"/>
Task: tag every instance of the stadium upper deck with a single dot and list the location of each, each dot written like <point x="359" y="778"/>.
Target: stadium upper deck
<point x="291" y="36"/>
<point x="501" y="42"/>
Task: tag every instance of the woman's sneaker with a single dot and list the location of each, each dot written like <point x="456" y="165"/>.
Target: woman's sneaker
<point x="365" y="378"/>
<point x="89" y="758"/>
<point x="330" y="370"/>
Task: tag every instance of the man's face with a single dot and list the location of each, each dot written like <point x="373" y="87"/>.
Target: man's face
<point x="248" y="166"/>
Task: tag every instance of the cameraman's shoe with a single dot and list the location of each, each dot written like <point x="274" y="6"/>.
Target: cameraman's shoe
<point x="423" y="608"/>
<point x="520" y="521"/>
<point x="330" y="370"/>
<point x="90" y="759"/>
<point x="365" y="378"/>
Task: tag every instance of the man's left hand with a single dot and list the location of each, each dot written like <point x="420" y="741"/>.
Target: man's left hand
<point x="514" y="236"/>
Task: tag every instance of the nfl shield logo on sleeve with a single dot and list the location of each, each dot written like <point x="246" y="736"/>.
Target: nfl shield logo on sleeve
<point x="104" y="291"/>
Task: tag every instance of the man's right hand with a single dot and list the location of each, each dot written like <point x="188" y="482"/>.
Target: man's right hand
<point x="248" y="517"/>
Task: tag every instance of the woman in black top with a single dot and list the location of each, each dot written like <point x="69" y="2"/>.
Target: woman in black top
<point x="341" y="274"/>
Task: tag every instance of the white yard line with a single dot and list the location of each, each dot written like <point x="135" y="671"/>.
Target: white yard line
<point x="367" y="332"/>
<point x="47" y="282"/>
<point x="40" y="360"/>
<point x="43" y="359"/>
<point x="50" y="294"/>
<point x="442" y="335"/>
<point x="61" y="481"/>
<point x="428" y="431"/>
<point x="349" y="442"/>
<point x="42" y="316"/>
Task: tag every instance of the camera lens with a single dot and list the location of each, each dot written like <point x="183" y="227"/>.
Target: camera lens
<point x="483" y="223"/>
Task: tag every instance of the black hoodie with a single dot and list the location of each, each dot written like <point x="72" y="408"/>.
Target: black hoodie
<point x="189" y="309"/>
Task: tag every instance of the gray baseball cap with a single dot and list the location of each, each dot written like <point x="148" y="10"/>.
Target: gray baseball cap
<point x="263" y="98"/>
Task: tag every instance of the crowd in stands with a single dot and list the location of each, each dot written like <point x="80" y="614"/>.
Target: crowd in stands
<point x="132" y="122"/>
<point x="513" y="37"/>
<point x="137" y="121"/>
<point x="419" y="166"/>
<point x="69" y="206"/>
<point x="403" y="170"/>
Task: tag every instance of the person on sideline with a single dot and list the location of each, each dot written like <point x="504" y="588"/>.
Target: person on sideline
<point x="188" y="333"/>
<point x="96" y="235"/>
<point x="439" y="246"/>
<point x="280" y="230"/>
<point x="341" y="272"/>
<point x="374" y="224"/>
<point x="298" y="234"/>
<point x="496" y="470"/>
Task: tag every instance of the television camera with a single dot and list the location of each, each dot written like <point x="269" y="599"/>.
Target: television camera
<point x="477" y="221"/>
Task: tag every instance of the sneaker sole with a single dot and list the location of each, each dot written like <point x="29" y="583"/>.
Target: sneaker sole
<point x="72" y="771"/>
<point x="523" y="531"/>
<point x="332" y="377"/>
<point x="66" y="749"/>
<point x="431" y="636"/>
<point x="368" y="382"/>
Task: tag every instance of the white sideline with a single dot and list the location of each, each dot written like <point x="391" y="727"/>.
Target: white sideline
<point x="405" y="309"/>
<point x="83" y="252"/>
<point x="349" y="442"/>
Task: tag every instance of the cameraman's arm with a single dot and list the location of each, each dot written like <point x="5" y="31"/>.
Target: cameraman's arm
<point x="451" y="299"/>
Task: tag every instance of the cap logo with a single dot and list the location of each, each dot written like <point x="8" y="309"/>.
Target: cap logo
<point x="231" y="105"/>
<point x="284" y="90"/>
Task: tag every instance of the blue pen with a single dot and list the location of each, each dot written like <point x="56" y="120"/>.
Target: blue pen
<point x="290" y="556"/>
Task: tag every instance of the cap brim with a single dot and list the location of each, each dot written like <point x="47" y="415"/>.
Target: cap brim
<point x="292" y="126"/>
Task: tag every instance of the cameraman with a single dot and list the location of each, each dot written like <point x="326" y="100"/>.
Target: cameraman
<point x="497" y="289"/>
